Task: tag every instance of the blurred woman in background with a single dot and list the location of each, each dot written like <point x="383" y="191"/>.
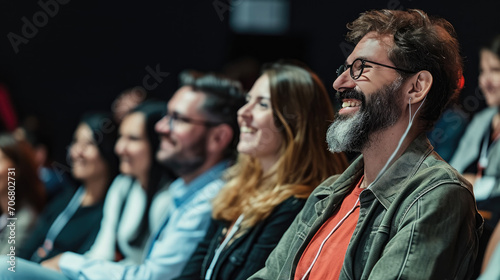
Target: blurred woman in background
<point x="22" y="195"/>
<point x="72" y="220"/>
<point x="478" y="154"/>
<point x="283" y="157"/>
<point x="138" y="197"/>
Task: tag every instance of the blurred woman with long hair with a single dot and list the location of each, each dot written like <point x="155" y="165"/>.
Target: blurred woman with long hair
<point x="72" y="219"/>
<point x="22" y="196"/>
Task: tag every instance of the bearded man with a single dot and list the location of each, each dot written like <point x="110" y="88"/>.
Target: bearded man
<point x="399" y="211"/>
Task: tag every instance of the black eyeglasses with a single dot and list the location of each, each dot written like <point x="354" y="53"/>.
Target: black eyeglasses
<point x="175" y="119"/>
<point x="359" y="64"/>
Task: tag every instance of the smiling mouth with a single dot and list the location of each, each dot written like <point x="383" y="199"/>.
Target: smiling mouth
<point x="351" y="103"/>
<point x="246" y="129"/>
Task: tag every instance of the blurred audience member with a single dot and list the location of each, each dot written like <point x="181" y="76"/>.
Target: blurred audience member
<point x="447" y="131"/>
<point x="198" y="136"/>
<point x="39" y="134"/>
<point x="22" y="196"/>
<point x="138" y="197"/>
<point x="283" y="156"/>
<point x="71" y="221"/>
<point x="126" y="101"/>
<point x="490" y="268"/>
<point x="478" y="154"/>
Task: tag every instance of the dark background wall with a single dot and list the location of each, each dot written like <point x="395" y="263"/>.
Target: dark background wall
<point x="83" y="54"/>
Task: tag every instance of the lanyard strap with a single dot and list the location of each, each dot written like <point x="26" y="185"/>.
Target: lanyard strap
<point x="483" y="156"/>
<point x="221" y="247"/>
<point x="59" y="224"/>
<point x="306" y="275"/>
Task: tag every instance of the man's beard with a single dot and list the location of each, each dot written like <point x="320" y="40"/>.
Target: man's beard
<point x="182" y="162"/>
<point x="352" y="132"/>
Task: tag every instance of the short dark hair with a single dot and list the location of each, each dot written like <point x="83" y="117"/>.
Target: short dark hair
<point x="224" y="97"/>
<point x="420" y="43"/>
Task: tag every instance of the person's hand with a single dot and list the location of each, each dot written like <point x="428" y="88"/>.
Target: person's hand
<point x="52" y="263"/>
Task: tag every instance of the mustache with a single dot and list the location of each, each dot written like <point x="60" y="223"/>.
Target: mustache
<point x="350" y="94"/>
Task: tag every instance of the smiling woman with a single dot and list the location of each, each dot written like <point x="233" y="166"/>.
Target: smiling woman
<point x="138" y="198"/>
<point x="72" y="219"/>
<point x="87" y="162"/>
<point x="133" y="148"/>
<point x="259" y="135"/>
<point x="477" y="156"/>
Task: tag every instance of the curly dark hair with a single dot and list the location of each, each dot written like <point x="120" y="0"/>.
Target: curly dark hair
<point x="420" y="43"/>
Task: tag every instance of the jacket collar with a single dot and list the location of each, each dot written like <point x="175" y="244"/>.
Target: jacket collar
<point x="390" y="183"/>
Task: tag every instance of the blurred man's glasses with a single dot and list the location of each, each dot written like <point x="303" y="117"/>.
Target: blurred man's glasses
<point x="175" y="119"/>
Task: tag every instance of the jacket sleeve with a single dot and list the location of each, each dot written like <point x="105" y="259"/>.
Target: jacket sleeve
<point x="271" y="232"/>
<point x="436" y="238"/>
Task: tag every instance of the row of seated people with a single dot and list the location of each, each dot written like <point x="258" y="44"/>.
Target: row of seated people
<point x="473" y="148"/>
<point x="153" y="220"/>
<point x="226" y="211"/>
<point x="478" y="154"/>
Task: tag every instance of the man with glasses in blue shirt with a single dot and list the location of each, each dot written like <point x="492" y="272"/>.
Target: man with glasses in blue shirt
<point x="399" y="211"/>
<point x="198" y="136"/>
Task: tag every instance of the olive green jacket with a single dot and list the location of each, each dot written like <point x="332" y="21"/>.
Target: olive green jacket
<point x="418" y="221"/>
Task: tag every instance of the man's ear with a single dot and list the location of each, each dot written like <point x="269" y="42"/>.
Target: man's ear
<point x="220" y="137"/>
<point x="420" y="84"/>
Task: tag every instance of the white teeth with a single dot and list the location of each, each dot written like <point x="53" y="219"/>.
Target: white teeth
<point x="246" y="129"/>
<point x="351" y="104"/>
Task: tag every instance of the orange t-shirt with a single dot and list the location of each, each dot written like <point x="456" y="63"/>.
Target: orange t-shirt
<point x="330" y="260"/>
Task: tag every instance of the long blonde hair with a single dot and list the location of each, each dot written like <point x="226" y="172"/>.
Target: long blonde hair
<point x="302" y="112"/>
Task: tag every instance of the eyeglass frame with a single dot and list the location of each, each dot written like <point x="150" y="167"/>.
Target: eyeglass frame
<point x="175" y="116"/>
<point x="342" y="68"/>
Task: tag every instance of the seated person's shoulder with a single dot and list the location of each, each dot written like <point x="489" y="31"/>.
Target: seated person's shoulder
<point x="436" y="167"/>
